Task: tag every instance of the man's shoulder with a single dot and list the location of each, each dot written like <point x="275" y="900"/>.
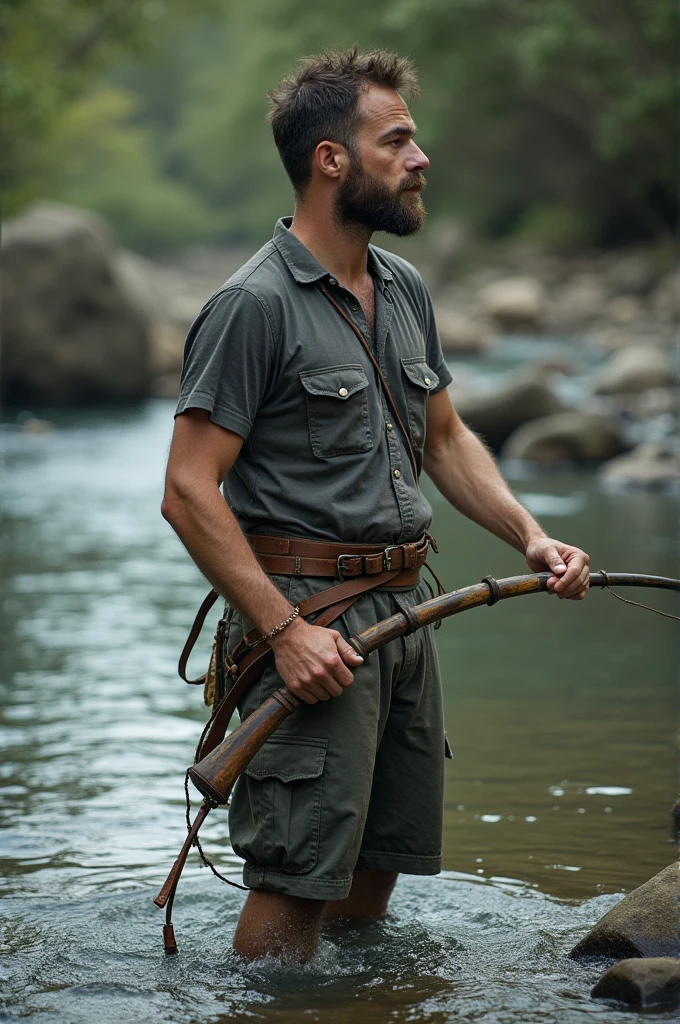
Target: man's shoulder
<point x="262" y="276"/>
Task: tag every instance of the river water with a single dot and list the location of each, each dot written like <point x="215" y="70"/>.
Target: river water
<point x="561" y="717"/>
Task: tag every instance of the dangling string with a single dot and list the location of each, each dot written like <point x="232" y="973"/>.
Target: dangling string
<point x="637" y="604"/>
<point x="197" y="842"/>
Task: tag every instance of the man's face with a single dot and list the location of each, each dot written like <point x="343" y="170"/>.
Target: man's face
<point x="381" y="189"/>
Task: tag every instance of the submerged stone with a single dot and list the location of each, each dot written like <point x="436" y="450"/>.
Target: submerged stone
<point x="643" y="983"/>
<point x="646" y="923"/>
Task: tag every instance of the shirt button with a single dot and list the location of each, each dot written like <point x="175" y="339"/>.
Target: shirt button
<point x="427" y="380"/>
<point x="343" y="392"/>
<point x="389" y="426"/>
<point x="331" y="280"/>
<point x="355" y="307"/>
<point x="397" y="473"/>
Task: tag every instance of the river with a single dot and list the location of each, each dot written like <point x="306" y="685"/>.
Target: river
<point x="561" y="716"/>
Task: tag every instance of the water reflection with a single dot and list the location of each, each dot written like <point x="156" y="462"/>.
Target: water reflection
<point x="561" y="718"/>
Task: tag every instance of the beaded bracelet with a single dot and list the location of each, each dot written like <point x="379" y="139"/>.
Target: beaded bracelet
<point x="278" y="629"/>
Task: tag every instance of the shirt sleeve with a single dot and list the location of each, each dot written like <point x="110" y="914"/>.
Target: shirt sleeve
<point x="227" y="360"/>
<point x="435" y="355"/>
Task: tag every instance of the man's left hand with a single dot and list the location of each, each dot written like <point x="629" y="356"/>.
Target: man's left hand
<point x="570" y="566"/>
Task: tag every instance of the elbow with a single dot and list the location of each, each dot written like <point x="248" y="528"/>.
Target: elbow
<point x="172" y="503"/>
<point x="169" y="508"/>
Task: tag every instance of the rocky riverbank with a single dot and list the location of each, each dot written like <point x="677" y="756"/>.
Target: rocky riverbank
<point x="86" y="322"/>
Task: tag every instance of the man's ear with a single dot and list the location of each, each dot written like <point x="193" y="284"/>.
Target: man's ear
<point x="331" y="159"/>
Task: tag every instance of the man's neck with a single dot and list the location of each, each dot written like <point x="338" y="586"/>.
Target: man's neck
<point x="343" y="252"/>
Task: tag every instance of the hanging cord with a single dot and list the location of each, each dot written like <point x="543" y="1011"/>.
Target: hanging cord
<point x="637" y="604"/>
<point x="197" y="842"/>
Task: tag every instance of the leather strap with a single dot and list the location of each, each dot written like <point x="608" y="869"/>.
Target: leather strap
<point x="292" y="557"/>
<point x="381" y="377"/>
<point x="332" y="602"/>
<point x="194" y="633"/>
<point x="316" y="558"/>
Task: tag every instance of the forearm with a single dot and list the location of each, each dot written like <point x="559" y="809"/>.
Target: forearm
<point x="465" y="472"/>
<point x="208" y="529"/>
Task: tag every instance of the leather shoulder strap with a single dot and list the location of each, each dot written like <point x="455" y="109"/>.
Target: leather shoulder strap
<point x="381" y="376"/>
<point x="206" y="605"/>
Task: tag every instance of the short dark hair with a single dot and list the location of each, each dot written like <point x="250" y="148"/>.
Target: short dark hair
<point x="320" y="101"/>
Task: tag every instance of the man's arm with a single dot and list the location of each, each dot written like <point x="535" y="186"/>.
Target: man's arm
<point x="312" y="661"/>
<point x="465" y="472"/>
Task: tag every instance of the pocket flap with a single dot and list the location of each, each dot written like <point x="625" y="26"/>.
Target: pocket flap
<point x="335" y="381"/>
<point x="289" y="758"/>
<point x="418" y="372"/>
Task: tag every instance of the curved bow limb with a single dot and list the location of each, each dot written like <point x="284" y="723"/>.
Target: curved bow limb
<point x="214" y="776"/>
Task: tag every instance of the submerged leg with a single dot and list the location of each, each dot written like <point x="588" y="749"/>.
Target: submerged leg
<point x="273" y="924"/>
<point x="367" y="898"/>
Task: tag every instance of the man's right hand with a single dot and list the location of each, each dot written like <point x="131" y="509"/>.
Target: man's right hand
<point x="314" y="662"/>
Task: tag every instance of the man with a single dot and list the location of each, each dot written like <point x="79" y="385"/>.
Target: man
<point x="282" y="401"/>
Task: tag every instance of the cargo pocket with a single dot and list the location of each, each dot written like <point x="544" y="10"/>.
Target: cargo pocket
<point x="337" y="410"/>
<point x="420" y="380"/>
<point x="275" y="815"/>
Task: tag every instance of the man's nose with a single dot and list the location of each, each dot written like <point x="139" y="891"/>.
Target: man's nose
<point x="416" y="160"/>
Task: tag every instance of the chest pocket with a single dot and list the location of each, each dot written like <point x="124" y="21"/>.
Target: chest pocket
<point x="420" y="381"/>
<point x="337" y="410"/>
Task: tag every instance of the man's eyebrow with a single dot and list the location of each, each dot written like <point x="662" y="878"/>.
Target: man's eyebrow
<point x="399" y="129"/>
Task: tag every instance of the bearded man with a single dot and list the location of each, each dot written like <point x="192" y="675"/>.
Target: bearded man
<point x="314" y="387"/>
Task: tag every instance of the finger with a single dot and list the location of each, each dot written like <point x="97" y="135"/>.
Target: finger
<point x="554" y="560"/>
<point x="579" y="584"/>
<point x="319" y="690"/>
<point x="571" y="576"/>
<point x="347" y="652"/>
<point x="302" y="693"/>
<point x="341" y="673"/>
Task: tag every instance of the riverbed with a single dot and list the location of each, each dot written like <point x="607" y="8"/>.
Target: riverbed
<point x="561" y="716"/>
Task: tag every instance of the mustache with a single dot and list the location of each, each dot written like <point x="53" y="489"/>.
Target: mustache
<point x="413" y="181"/>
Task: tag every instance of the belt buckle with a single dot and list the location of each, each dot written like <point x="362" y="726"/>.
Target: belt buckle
<point x="387" y="557"/>
<point x="339" y="567"/>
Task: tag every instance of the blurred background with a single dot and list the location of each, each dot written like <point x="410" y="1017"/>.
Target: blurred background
<point x="139" y="173"/>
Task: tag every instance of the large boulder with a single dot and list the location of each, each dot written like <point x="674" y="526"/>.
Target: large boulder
<point x="571" y="436"/>
<point x="580" y="301"/>
<point x="641" y="983"/>
<point x="522" y="396"/>
<point x="636" y="369"/>
<point x="646" y="923"/>
<point x="71" y="334"/>
<point x="515" y="303"/>
<point x="650" y="466"/>
<point x="461" y="333"/>
<point x="666" y="298"/>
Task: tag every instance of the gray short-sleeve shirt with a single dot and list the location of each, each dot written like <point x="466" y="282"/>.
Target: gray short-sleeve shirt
<point x="271" y="359"/>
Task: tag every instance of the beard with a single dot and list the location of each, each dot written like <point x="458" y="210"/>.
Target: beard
<point x="364" y="199"/>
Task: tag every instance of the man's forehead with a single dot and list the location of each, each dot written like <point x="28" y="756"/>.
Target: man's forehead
<point x="381" y="108"/>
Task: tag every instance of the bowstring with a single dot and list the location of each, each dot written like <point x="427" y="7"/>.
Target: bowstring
<point x="636" y="604"/>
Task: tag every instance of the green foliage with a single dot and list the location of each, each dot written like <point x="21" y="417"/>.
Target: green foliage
<point x="548" y="118"/>
<point x="106" y="161"/>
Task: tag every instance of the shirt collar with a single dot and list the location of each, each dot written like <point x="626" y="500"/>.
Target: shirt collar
<point x="304" y="267"/>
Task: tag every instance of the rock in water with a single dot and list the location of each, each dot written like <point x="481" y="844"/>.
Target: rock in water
<point x="650" y="466"/>
<point x="571" y="436"/>
<point x="646" y="923"/>
<point x="636" y="369"/>
<point x="515" y="303"/>
<point x="522" y="396"/>
<point x="71" y="335"/>
<point x="643" y="983"/>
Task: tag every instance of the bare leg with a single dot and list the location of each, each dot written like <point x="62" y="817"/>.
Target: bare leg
<point x="368" y="896"/>
<point x="277" y="925"/>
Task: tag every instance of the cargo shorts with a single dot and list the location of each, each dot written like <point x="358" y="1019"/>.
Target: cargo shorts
<point x="354" y="782"/>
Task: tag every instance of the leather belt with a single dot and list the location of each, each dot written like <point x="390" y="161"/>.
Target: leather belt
<point x="295" y="556"/>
